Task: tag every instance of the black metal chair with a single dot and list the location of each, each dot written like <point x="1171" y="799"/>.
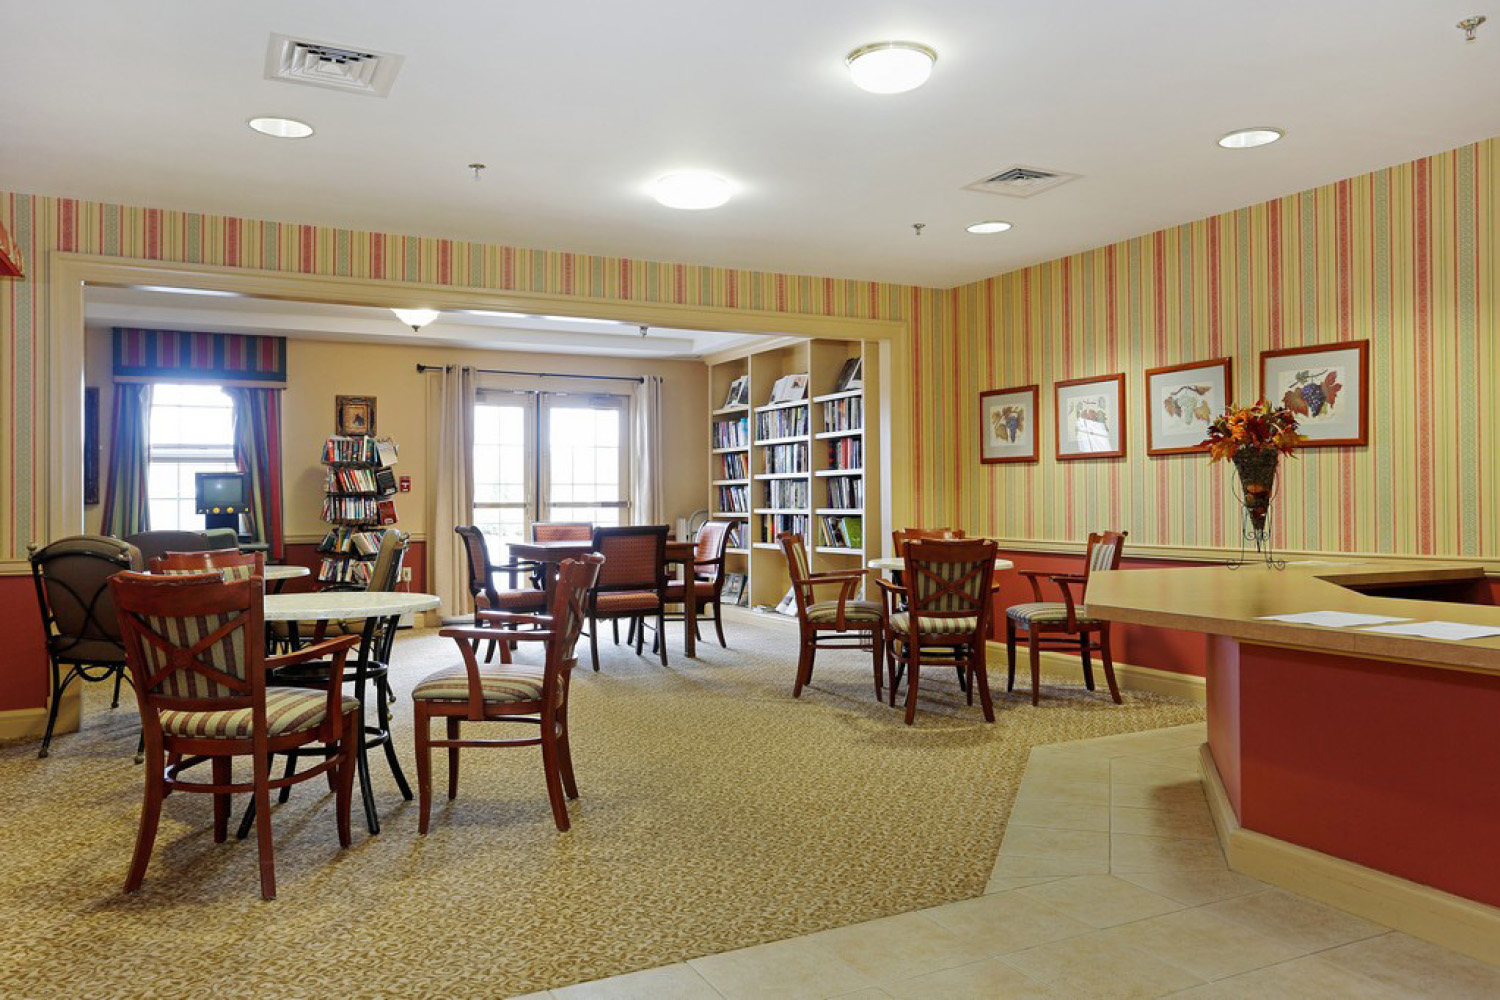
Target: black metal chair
<point x="78" y="614"/>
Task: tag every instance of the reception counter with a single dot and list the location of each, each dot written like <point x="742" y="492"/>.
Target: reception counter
<point x="1382" y="751"/>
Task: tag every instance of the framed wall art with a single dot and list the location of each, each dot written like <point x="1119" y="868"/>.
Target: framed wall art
<point x="354" y="416"/>
<point x="1091" y="417"/>
<point x="1326" y="386"/>
<point x="1181" y="401"/>
<point x="1008" y="425"/>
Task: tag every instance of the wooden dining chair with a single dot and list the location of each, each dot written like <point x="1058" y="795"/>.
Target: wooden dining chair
<point x="705" y="575"/>
<point x="195" y="645"/>
<point x="838" y="623"/>
<point x="482" y="577"/>
<point x="1065" y="624"/>
<point x="632" y="583"/>
<point x="947" y="595"/>
<point x="562" y="531"/>
<point x="514" y="693"/>
<point x="228" y="563"/>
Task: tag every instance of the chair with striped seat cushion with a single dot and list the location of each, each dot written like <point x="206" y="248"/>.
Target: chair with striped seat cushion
<point x="514" y="693"/>
<point x="196" y="647"/>
<point x="946" y="590"/>
<point x="843" y="623"/>
<point x="231" y="564"/>
<point x="632" y="583"/>
<point x="1065" y="624"/>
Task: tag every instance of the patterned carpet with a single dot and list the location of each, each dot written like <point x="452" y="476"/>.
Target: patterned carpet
<point x="716" y="813"/>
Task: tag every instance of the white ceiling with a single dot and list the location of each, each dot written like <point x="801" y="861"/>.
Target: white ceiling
<point x="577" y="106"/>
<point x="167" y="310"/>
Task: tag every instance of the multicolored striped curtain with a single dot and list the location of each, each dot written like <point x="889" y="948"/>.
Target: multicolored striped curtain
<point x="257" y="453"/>
<point x="125" y="511"/>
<point x="178" y="356"/>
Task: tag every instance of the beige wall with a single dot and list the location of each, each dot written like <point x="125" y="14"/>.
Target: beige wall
<point x="317" y="371"/>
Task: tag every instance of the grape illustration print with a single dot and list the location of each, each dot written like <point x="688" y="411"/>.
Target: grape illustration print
<point x="1326" y="387"/>
<point x="1313" y="394"/>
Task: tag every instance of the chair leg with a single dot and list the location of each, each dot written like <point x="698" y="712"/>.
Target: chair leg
<point x="221" y="775"/>
<point x="287" y="772"/>
<point x="719" y="622"/>
<point x="452" y="759"/>
<point x="913" y="668"/>
<point x="58" y="687"/>
<point x="1088" y="661"/>
<point x="344" y="794"/>
<point x="266" y="851"/>
<point x="639" y="628"/>
<point x="422" y="724"/>
<point x="980" y="678"/>
<point x="804" y="664"/>
<point x="1033" y="640"/>
<point x="145" y="837"/>
<point x="489" y="654"/>
<point x="1010" y="654"/>
<point x="594" y="641"/>
<point x="661" y="632"/>
<point x="875" y="645"/>
<point x="892" y="676"/>
<point x="565" y="756"/>
<point x="552" y="765"/>
<point x="629" y="633"/>
<point x="1109" y="666"/>
<point x="119" y="673"/>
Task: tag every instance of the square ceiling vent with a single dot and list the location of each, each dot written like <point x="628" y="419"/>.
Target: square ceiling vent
<point x="1021" y="182"/>
<point x="337" y="67"/>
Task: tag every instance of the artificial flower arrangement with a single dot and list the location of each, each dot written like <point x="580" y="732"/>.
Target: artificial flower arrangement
<point x="1261" y="427"/>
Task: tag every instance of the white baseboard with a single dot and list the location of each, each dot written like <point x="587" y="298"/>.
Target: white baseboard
<point x="1419" y="910"/>
<point x="1063" y="666"/>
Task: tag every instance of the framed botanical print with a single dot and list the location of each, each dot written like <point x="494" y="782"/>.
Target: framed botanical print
<point x="1091" y="417"/>
<point x="355" y="415"/>
<point x="1008" y="425"/>
<point x="1326" y="386"/>
<point x="1181" y="401"/>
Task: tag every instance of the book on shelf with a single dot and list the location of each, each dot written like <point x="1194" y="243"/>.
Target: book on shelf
<point x="385" y="450"/>
<point x="734" y="466"/>
<point x="734" y="499"/>
<point x="846" y="453"/>
<point x="789" y="388"/>
<point x="846" y="492"/>
<point x="843" y="531"/>
<point x="845" y="414"/>
<point x="351" y="542"/>
<point x="732" y="433"/>
<point x="851" y="376"/>
<point x="739" y="392"/>
<point x="786" y="458"/>
<point x="786" y="493"/>
<point x="734" y="586"/>
<point x="781" y="423"/>
<point x="344" y="571"/>
<point x="736" y="535"/>
<point x="772" y="525"/>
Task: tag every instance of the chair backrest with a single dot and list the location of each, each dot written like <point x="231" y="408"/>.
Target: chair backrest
<point x="796" y="567"/>
<point x="950" y="578"/>
<point x="386" y="573"/>
<point x="635" y="557"/>
<point x="72" y="591"/>
<point x="708" y="550"/>
<point x="1104" y="552"/>
<point x="568" y="610"/>
<point x="231" y="565"/>
<point x="158" y="543"/>
<point x="562" y="531"/>
<point x="900" y="536"/>
<point x="481" y="578"/>
<point x="195" y="642"/>
<point x="221" y="538"/>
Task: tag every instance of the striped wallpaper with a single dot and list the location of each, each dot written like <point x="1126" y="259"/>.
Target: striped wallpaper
<point x="1405" y="257"/>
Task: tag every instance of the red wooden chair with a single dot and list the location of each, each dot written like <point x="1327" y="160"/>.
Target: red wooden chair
<point x="632" y="583"/>
<point x="841" y="623"/>
<point x="705" y="575"/>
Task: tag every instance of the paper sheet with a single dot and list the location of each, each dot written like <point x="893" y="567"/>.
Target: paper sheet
<point x="1332" y="619"/>
<point x="1452" y="631"/>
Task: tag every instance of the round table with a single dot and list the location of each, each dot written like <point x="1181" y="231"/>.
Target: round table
<point x="286" y="572"/>
<point x="893" y="564"/>
<point x="380" y="610"/>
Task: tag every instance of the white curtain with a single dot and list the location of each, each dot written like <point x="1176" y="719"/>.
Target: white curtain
<point x="452" y="493"/>
<point x="645" y="487"/>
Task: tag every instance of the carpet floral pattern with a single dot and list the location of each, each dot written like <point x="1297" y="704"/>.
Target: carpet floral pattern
<point x="716" y="813"/>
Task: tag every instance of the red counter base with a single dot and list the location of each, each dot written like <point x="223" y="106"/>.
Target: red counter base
<point x="1388" y="765"/>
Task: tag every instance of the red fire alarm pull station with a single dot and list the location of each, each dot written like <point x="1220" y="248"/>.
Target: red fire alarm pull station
<point x="405" y="485"/>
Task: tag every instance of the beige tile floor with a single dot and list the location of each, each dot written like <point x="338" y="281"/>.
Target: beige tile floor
<point x="1109" y="883"/>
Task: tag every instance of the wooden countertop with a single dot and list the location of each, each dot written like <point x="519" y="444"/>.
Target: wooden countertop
<point x="1217" y="600"/>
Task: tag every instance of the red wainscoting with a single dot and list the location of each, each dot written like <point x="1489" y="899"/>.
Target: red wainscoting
<point x="1160" y="648"/>
<point x="23" y="669"/>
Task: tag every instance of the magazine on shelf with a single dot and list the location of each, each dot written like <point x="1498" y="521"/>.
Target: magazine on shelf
<point x="739" y="392"/>
<point x="851" y="376"/>
<point x="788" y="604"/>
<point x="789" y="388"/>
<point x="734" y="585"/>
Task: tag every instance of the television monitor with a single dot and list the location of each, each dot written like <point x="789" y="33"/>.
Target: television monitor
<point x="220" y="493"/>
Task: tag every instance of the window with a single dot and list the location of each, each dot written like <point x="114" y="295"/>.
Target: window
<point x="192" y="430"/>
<point x="547" y="456"/>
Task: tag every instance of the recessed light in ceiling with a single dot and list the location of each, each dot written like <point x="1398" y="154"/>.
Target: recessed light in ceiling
<point x="984" y="228"/>
<point x="282" y="128"/>
<point x="189" y="291"/>
<point x="890" y="67"/>
<point x="497" y="315"/>
<point x="581" y="319"/>
<point x="1249" y="138"/>
<point x="691" y="189"/>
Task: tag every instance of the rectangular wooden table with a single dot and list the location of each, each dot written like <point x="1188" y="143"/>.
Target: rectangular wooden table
<point x="551" y="555"/>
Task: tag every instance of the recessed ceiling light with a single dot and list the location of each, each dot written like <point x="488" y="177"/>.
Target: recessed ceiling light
<point x="581" y="319"/>
<point x="993" y="226"/>
<point x="1249" y="138"/>
<point x="282" y="128"/>
<point x="416" y="318"/>
<point x="497" y="315"/>
<point x="890" y="67"/>
<point x="189" y="291"/>
<point x="692" y="189"/>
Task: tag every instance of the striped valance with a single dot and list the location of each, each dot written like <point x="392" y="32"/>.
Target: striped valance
<point x="215" y="357"/>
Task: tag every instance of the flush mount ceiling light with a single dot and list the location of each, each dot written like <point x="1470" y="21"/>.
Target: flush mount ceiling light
<point x="984" y="228"/>
<point x="890" y="67"/>
<point x="416" y="318"/>
<point x="282" y="128"/>
<point x="691" y="189"/>
<point x="1249" y="138"/>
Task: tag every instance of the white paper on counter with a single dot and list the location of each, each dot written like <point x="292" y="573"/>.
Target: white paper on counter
<point x="1453" y="631"/>
<point x="1332" y="619"/>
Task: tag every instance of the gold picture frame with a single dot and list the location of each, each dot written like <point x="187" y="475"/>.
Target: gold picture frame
<point x="354" y="416"/>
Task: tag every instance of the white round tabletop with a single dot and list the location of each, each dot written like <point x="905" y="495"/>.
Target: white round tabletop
<point x="892" y="564"/>
<point x="286" y="572"/>
<point x="345" y="604"/>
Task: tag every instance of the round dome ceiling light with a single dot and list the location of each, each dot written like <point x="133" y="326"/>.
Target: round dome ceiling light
<point x="985" y="228"/>
<point x="692" y="189"/>
<point x="416" y="318"/>
<point x="1249" y="138"/>
<point x="890" y="67"/>
<point x="282" y="128"/>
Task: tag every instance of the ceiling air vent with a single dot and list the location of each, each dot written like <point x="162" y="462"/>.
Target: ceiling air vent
<point x="337" y="67"/>
<point x="1021" y="182"/>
